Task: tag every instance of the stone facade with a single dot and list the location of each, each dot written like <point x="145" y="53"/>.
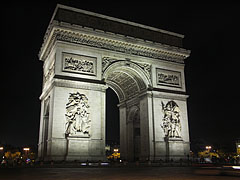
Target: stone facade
<point x="81" y="62"/>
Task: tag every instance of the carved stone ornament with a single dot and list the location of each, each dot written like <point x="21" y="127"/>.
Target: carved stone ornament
<point x="168" y="78"/>
<point x="77" y="115"/>
<point x="178" y="54"/>
<point x="107" y="61"/>
<point x="79" y="64"/>
<point x="147" y="69"/>
<point x="171" y="120"/>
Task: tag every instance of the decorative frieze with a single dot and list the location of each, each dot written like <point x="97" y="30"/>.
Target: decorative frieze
<point x="168" y="78"/>
<point x="114" y="45"/>
<point x="79" y="64"/>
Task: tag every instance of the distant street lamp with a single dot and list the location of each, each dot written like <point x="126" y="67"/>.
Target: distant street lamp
<point x="208" y="148"/>
<point x="26" y="150"/>
<point x="1" y="152"/>
<point x="115" y="150"/>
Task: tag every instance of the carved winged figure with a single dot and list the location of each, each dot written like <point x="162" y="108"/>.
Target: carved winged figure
<point x="171" y="120"/>
<point x="77" y="115"/>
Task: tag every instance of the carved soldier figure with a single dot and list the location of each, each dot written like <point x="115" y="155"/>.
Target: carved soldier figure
<point x="171" y="120"/>
<point x="70" y="120"/>
<point x="77" y="115"/>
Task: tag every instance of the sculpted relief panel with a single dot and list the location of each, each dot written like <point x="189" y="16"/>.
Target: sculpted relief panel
<point x="79" y="64"/>
<point x="168" y="78"/>
<point x="171" y="120"/>
<point x="77" y="115"/>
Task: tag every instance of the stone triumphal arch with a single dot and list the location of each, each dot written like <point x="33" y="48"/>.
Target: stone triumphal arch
<point x="85" y="53"/>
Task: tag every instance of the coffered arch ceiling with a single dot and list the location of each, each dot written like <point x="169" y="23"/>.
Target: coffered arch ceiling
<point x="125" y="81"/>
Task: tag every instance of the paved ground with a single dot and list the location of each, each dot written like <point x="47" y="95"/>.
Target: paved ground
<point x="137" y="173"/>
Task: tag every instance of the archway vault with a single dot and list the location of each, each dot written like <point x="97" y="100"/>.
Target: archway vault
<point x="126" y="78"/>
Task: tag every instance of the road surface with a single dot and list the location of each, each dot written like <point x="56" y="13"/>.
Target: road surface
<point x="114" y="173"/>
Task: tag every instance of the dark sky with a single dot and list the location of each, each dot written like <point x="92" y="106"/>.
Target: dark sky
<point x="212" y="71"/>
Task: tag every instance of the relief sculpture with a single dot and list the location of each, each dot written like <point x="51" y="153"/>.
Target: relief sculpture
<point x="77" y="115"/>
<point x="168" y="78"/>
<point x="171" y="120"/>
<point x="79" y="64"/>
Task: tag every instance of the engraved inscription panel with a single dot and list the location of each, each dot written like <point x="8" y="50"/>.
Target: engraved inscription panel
<point x="168" y="78"/>
<point x="79" y="64"/>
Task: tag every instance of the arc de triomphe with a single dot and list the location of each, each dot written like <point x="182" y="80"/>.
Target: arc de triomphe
<point x="85" y="53"/>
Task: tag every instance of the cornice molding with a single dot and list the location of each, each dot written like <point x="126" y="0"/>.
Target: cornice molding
<point x="181" y="97"/>
<point x="79" y="85"/>
<point x="104" y="40"/>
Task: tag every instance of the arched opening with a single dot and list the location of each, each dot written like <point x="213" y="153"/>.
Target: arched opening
<point x="112" y="118"/>
<point x="127" y="81"/>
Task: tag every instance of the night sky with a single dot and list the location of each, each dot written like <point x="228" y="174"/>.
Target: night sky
<point x="212" y="70"/>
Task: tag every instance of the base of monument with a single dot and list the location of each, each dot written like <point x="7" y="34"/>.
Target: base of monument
<point x="175" y="149"/>
<point x="177" y="158"/>
<point x="71" y="158"/>
<point x="78" y="135"/>
<point x="86" y="158"/>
